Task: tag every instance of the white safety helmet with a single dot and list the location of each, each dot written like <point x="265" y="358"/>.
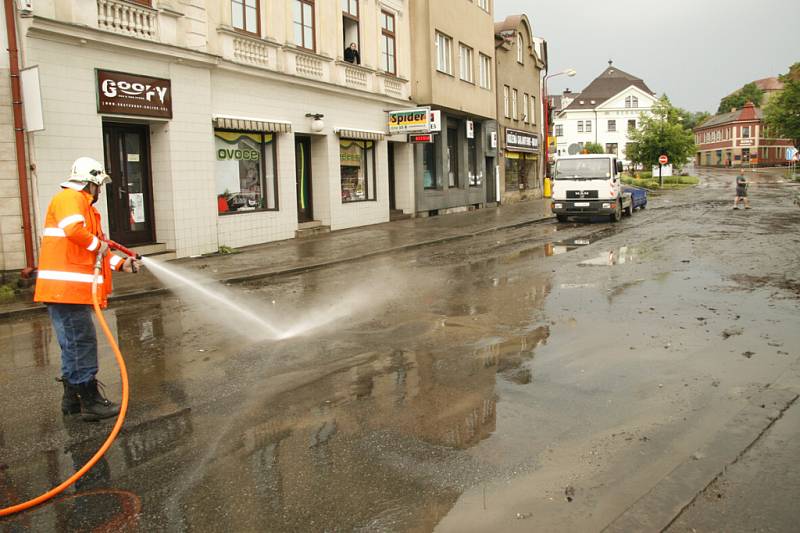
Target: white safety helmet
<point x="87" y="170"/>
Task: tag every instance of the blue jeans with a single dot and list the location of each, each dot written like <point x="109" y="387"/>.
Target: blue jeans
<point x="78" y="340"/>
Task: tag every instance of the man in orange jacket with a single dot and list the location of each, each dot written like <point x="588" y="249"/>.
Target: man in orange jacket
<point x="71" y="241"/>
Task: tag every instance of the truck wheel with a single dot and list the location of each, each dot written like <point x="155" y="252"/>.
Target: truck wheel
<point x="617" y="216"/>
<point x="561" y="218"/>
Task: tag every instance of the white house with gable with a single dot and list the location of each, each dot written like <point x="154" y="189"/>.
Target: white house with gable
<point x="603" y="113"/>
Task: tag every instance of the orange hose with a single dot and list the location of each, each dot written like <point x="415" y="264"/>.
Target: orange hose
<point x="123" y="372"/>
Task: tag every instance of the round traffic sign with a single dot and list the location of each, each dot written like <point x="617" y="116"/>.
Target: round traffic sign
<point x="662" y="160"/>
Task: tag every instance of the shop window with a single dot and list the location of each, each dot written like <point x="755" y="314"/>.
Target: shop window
<point x="351" y="40"/>
<point x="430" y="175"/>
<point x="388" y="43"/>
<point x="244" y="15"/>
<point x="357" y="163"/>
<point x="452" y="157"/>
<point x="612" y="125"/>
<point x="518" y="171"/>
<point x="472" y="158"/>
<point x="245" y="171"/>
<point x="303" y="22"/>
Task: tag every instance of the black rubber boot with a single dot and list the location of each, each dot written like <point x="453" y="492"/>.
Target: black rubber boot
<point x="93" y="405"/>
<point x="70" y="403"/>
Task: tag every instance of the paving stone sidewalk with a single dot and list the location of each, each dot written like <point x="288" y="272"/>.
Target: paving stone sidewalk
<point x="296" y="255"/>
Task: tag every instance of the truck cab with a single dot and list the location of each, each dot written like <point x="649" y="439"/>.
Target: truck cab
<point x="589" y="185"/>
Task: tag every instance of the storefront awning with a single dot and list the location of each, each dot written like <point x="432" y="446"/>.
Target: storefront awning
<point x="368" y="135"/>
<point x="252" y="124"/>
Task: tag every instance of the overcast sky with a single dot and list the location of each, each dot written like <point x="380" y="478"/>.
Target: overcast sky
<point x="695" y="51"/>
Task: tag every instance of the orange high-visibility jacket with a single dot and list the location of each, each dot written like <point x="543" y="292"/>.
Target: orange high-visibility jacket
<point x="70" y="241"/>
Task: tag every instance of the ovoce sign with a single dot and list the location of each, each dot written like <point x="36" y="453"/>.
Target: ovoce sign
<point x="120" y="93"/>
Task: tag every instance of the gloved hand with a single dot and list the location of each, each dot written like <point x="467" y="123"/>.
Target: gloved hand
<point x="103" y="250"/>
<point x="130" y="265"/>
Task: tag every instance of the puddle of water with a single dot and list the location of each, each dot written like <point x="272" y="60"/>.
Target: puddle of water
<point x="613" y="257"/>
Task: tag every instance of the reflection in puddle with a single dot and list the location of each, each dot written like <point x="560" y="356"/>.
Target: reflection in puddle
<point x="613" y="257"/>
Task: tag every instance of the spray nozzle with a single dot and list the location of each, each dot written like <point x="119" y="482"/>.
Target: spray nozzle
<point x="127" y="251"/>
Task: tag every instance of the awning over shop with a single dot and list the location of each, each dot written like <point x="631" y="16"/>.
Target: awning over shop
<point x="252" y="124"/>
<point x="368" y="135"/>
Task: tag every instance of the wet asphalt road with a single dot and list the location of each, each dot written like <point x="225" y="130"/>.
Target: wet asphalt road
<point x="537" y="379"/>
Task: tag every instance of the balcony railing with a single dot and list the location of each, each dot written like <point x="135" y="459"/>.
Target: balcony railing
<point x="127" y="19"/>
<point x="250" y="51"/>
<point x="309" y="66"/>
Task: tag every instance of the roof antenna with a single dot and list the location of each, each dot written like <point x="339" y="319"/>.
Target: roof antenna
<point x="610" y="62"/>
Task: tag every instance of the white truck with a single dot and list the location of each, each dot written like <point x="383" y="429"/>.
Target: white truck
<point x="590" y="185"/>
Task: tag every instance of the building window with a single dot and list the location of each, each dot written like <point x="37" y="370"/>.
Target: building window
<point x="588" y="126"/>
<point x="580" y="126"/>
<point x="351" y="35"/>
<point x="245" y="171"/>
<point x="631" y="125"/>
<point x="611" y="148"/>
<point x="430" y="175"/>
<point x="525" y="108"/>
<point x="520" y="48"/>
<point x="533" y="110"/>
<point x="506" y="103"/>
<point x="303" y="17"/>
<point x="244" y="15"/>
<point x="514" y="97"/>
<point x="444" y="53"/>
<point x="745" y="132"/>
<point x="559" y="130"/>
<point x="388" y="42"/>
<point x="612" y="125"/>
<point x="465" y="63"/>
<point x="357" y="163"/>
<point x="485" y="71"/>
<point x="631" y="101"/>
<point x="484" y="4"/>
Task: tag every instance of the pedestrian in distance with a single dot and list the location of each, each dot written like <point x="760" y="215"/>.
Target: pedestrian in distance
<point x="72" y="240"/>
<point x="351" y="54"/>
<point x="741" y="192"/>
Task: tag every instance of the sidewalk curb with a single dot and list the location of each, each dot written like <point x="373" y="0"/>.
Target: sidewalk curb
<point x="37" y="308"/>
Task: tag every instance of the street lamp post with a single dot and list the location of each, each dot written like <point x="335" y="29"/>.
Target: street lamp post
<point x="546" y="99"/>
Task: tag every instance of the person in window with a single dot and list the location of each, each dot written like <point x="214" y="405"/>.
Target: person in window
<point x="351" y="54"/>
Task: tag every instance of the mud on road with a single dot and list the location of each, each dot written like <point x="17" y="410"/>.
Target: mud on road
<point x="552" y="377"/>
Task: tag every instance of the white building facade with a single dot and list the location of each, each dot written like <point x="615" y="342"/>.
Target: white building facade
<point x="603" y="113"/>
<point x="223" y="123"/>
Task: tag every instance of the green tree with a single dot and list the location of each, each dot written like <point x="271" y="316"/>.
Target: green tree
<point x="748" y="93"/>
<point x="593" y="148"/>
<point x="661" y="132"/>
<point x="782" y="113"/>
<point x="692" y="120"/>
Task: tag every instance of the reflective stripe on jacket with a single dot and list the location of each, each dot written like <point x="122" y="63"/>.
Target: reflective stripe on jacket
<point x="70" y="240"/>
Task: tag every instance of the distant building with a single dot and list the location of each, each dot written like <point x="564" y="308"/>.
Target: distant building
<point x="603" y="113"/>
<point x="738" y="138"/>
<point x="519" y="60"/>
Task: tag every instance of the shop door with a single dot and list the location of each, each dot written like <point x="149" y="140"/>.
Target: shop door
<point x="452" y="157"/>
<point x="130" y="198"/>
<point x="491" y="180"/>
<point x="302" y="156"/>
<point x="392" y="203"/>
